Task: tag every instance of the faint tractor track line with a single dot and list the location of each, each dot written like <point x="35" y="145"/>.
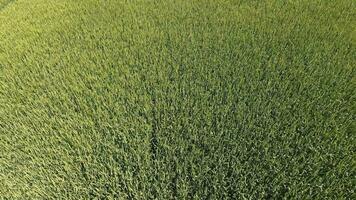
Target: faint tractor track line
<point x="5" y="4"/>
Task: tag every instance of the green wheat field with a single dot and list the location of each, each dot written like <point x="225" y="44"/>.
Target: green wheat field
<point x="177" y="99"/>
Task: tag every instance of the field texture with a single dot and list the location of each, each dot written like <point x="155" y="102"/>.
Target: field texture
<point x="177" y="99"/>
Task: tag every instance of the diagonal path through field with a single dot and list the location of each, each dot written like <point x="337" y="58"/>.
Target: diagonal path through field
<point x="82" y="94"/>
<point x="176" y="99"/>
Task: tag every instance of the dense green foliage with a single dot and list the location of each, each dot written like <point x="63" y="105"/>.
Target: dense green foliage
<point x="185" y="99"/>
<point x="4" y="3"/>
